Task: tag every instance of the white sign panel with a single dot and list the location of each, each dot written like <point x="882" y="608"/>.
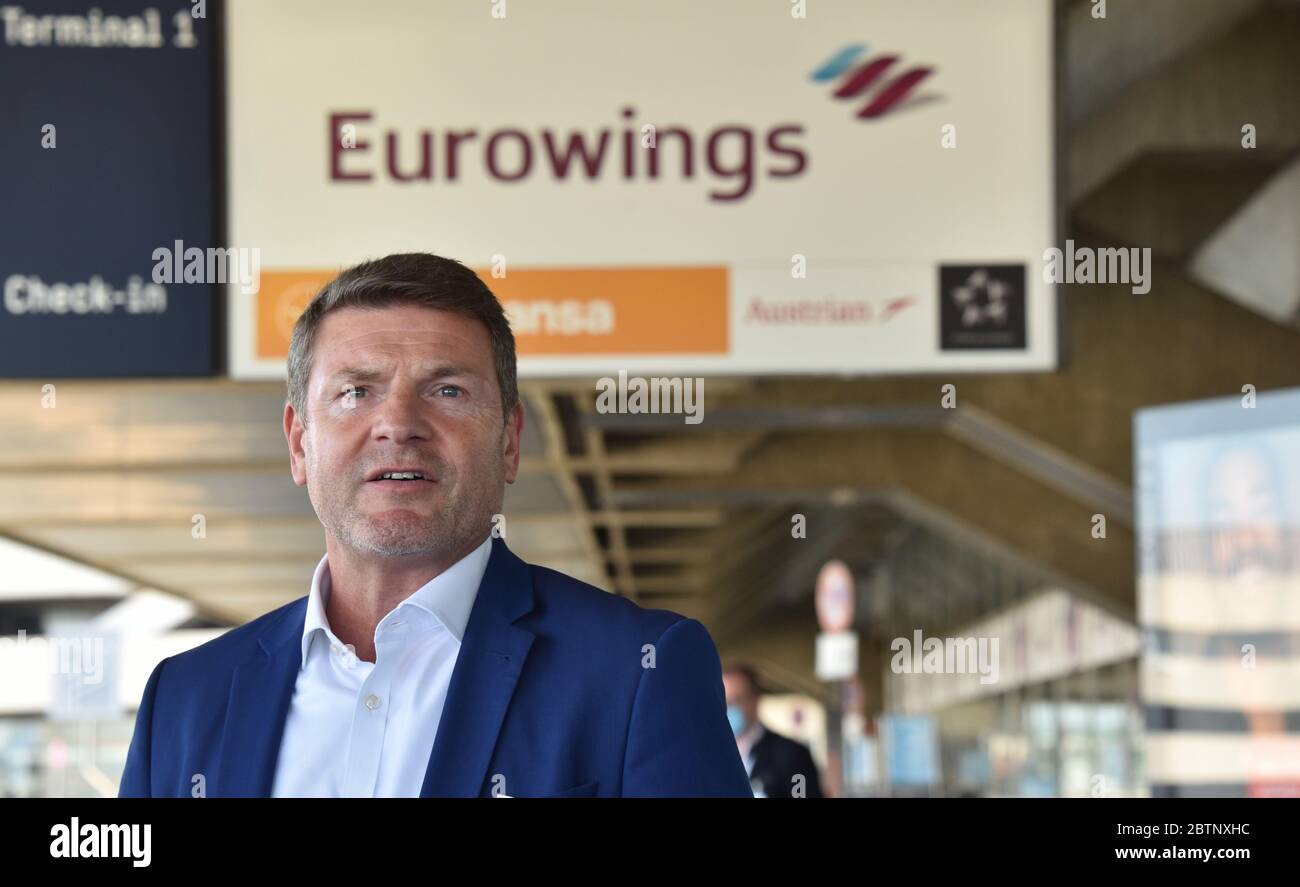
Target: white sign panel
<point x="837" y="655"/>
<point x="661" y="186"/>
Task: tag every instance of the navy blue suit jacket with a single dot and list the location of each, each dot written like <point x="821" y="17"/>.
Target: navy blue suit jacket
<point x="552" y="695"/>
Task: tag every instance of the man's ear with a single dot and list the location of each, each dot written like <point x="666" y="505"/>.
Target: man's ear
<point x="293" y="434"/>
<point x="514" y="430"/>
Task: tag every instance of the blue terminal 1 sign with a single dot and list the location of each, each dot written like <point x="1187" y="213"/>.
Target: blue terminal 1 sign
<point x="108" y="151"/>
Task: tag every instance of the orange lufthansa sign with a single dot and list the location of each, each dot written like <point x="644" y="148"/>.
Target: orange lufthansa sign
<point x="562" y="311"/>
<point x="281" y="298"/>
<point x="558" y="311"/>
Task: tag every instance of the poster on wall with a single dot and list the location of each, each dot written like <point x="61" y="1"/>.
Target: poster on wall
<point x="1218" y="489"/>
<point x="867" y="189"/>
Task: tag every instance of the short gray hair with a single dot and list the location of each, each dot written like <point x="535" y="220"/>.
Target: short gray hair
<point x="406" y="279"/>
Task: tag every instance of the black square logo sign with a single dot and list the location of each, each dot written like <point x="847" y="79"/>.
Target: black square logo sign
<point x="981" y="306"/>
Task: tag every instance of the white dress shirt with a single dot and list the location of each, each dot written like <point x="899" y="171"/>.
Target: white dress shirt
<point x="366" y="729"/>
<point x="745" y="743"/>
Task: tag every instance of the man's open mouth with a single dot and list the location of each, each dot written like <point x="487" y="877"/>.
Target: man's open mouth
<point x="400" y="476"/>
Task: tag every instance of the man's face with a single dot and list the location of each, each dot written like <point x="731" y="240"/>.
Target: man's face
<point x="412" y="388"/>
<point x="740" y="694"/>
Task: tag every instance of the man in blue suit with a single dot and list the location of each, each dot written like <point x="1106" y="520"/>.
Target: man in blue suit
<point x="428" y="660"/>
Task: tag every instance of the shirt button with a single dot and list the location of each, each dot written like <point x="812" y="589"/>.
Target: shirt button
<point x="372" y="702"/>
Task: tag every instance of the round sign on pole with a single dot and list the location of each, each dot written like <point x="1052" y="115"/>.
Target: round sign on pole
<point x="834" y="597"/>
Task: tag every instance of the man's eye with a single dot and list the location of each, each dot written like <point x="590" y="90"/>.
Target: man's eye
<point x="356" y="391"/>
<point x="456" y="392"/>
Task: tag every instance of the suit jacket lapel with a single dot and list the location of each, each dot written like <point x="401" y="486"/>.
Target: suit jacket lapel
<point x="491" y="657"/>
<point x="260" y="693"/>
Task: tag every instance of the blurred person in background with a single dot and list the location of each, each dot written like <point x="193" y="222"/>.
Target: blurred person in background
<point x="778" y="767"/>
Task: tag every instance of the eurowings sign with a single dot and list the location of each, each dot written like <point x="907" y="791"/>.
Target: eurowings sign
<point x="655" y="186"/>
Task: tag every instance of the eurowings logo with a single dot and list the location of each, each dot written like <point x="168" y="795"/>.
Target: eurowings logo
<point x="874" y="79"/>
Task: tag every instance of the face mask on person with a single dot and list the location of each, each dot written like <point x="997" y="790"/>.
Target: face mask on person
<point x="736" y="718"/>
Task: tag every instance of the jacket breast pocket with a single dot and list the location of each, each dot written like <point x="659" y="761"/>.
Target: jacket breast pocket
<point x="585" y="790"/>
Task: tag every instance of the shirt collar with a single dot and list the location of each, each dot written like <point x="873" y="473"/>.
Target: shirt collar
<point x="449" y="597"/>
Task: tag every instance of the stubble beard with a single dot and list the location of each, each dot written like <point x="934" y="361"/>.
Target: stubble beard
<point x="462" y="516"/>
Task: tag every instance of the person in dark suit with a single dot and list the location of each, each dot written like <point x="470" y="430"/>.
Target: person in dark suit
<point x="778" y="766"/>
<point x="427" y="659"/>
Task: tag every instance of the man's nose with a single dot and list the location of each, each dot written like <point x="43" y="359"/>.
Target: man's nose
<point x="402" y="417"/>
